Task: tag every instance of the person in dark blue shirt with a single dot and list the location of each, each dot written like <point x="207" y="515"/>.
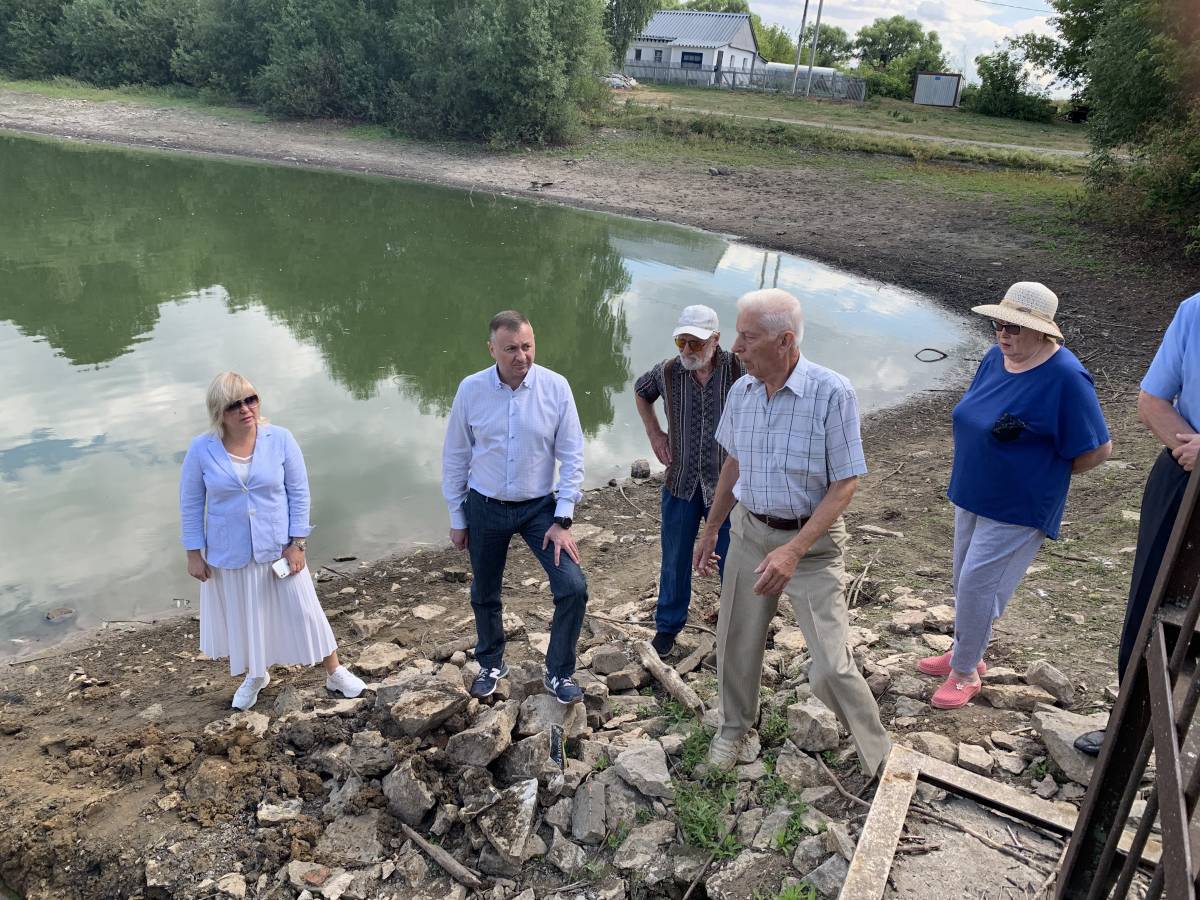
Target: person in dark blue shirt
<point x="1029" y="421"/>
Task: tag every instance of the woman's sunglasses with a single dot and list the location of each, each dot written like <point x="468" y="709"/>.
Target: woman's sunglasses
<point x="247" y="402"/>
<point x="1006" y="327"/>
<point x="694" y="345"/>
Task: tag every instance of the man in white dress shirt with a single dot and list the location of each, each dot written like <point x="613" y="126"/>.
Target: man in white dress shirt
<point x="508" y="426"/>
<point x="791" y="431"/>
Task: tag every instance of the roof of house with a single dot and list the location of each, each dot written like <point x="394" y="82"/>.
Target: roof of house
<point x="687" y="28"/>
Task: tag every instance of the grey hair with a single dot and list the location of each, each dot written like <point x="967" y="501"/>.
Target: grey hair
<point x="509" y="320"/>
<point x="777" y="311"/>
<point x="226" y="388"/>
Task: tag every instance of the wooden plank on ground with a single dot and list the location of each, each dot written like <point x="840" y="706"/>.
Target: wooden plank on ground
<point x="867" y="878"/>
<point x="1017" y="803"/>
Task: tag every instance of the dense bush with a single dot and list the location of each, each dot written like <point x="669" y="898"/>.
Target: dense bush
<point x="1005" y="90"/>
<point x="1144" y="63"/>
<point x="28" y="37"/>
<point x="500" y="70"/>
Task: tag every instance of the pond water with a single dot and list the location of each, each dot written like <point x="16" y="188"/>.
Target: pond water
<point x="355" y="305"/>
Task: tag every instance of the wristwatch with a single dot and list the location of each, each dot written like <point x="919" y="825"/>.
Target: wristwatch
<point x="299" y="543"/>
<point x="563" y="522"/>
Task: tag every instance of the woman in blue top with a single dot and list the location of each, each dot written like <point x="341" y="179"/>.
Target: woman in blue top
<point x="243" y="502"/>
<point x="1029" y="420"/>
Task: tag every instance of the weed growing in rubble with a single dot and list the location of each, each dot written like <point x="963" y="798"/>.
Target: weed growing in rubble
<point x="701" y="809"/>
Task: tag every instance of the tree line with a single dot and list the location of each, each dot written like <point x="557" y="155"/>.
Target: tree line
<point x="501" y="70"/>
<point x="1134" y="67"/>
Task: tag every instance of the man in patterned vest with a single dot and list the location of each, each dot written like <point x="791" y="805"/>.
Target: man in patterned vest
<point x="693" y="385"/>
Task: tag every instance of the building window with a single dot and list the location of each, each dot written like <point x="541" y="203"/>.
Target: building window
<point x="637" y="54"/>
<point x="744" y="60"/>
<point x="658" y="56"/>
<point x="691" y="60"/>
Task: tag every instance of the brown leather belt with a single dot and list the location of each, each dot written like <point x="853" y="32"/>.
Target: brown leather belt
<point x="781" y="524"/>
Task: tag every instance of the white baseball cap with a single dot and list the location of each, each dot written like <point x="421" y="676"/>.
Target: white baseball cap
<point x="698" y="321"/>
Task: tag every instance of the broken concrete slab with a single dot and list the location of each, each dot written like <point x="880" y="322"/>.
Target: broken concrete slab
<point x="1041" y="674"/>
<point x="644" y="767"/>
<point x="411" y="794"/>
<point x="1058" y="729"/>
<point x="644" y="851"/>
<point x="489" y="736"/>
<point x="588" y="813"/>
<point x="1023" y="697"/>
<point x="508" y="823"/>
<point x="380" y="658"/>
<point x="812" y="726"/>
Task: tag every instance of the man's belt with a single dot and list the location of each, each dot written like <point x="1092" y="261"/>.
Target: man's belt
<point x="486" y="499"/>
<point x="780" y="524"/>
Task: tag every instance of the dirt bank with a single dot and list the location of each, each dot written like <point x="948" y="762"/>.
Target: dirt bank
<point x="109" y="784"/>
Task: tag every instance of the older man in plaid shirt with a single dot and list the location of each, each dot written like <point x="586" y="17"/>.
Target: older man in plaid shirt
<point x="791" y="431"/>
<point x="693" y="386"/>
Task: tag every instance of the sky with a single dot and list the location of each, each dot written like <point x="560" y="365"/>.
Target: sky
<point x="967" y="27"/>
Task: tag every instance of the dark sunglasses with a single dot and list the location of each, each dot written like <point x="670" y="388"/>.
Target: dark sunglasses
<point x="1006" y="327"/>
<point x="247" y="402"/>
<point x="695" y="345"/>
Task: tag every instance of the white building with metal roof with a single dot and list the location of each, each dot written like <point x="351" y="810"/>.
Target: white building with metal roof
<point x="703" y="46"/>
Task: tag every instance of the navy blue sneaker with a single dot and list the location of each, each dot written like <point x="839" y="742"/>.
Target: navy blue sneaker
<point x="484" y="684"/>
<point x="565" y="690"/>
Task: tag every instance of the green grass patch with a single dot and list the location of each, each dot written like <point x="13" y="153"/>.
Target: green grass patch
<point x="676" y="713"/>
<point x="169" y="96"/>
<point x="877" y="113"/>
<point x="694" y="750"/>
<point x="773" y="790"/>
<point x="773" y="729"/>
<point x="793" y="832"/>
<point x="701" y="133"/>
<point x="801" y="891"/>
<point x="616" y="836"/>
<point x="701" y="809"/>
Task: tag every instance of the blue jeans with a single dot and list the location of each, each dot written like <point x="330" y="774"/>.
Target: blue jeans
<point x="680" y="523"/>
<point x="491" y="525"/>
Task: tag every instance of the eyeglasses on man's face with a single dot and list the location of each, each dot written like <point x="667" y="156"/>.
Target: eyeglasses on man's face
<point x="692" y="345"/>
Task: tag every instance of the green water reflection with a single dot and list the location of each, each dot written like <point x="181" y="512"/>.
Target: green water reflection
<point x="356" y="305"/>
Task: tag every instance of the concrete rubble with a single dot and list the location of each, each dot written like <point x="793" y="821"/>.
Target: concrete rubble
<point x="610" y="795"/>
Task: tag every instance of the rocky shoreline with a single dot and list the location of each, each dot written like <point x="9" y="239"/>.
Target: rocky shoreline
<point x="312" y="796"/>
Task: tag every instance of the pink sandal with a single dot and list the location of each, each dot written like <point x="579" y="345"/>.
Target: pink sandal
<point x="940" y="665"/>
<point x="954" y="694"/>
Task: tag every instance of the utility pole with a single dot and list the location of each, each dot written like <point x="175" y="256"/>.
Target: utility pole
<point x="812" y="55"/>
<point x="799" y="48"/>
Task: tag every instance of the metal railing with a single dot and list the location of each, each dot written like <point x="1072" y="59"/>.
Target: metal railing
<point x="829" y="87"/>
<point x="1153" y="715"/>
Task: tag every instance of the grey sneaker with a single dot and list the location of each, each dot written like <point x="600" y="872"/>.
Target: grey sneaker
<point x="485" y="682"/>
<point x="723" y="753"/>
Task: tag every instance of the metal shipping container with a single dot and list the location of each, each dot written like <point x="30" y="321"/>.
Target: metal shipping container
<point x="937" y="89"/>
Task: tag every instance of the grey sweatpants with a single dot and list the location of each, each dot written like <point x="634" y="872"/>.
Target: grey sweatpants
<point x="990" y="558"/>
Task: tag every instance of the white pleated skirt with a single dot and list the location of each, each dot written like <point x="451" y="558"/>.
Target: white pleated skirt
<point x="258" y="619"/>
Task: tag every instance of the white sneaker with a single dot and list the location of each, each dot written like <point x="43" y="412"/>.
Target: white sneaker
<point x="723" y="753"/>
<point x="247" y="694"/>
<point x="345" y="682"/>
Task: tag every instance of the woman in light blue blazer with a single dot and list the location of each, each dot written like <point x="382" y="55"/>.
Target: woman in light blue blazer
<point x="243" y="502"/>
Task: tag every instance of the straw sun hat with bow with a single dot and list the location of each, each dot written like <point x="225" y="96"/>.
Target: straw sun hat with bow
<point x="1028" y="304"/>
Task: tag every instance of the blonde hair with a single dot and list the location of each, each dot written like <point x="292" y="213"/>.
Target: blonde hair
<point x="226" y="388"/>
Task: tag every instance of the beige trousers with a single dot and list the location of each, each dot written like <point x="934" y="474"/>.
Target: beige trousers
<point x="817" y="592"/>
